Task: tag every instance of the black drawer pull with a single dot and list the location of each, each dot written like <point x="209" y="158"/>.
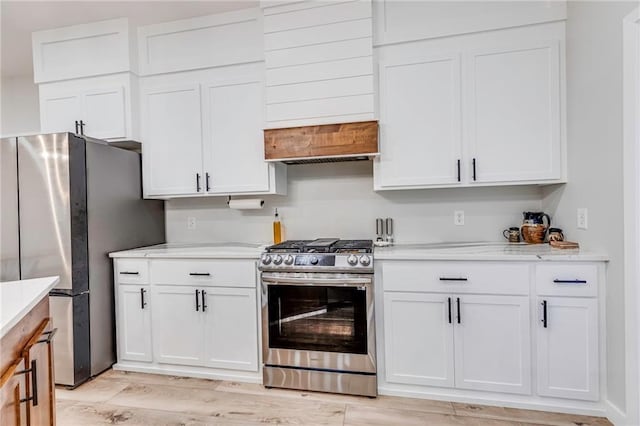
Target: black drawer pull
<point x="129" y="273"/>
<point x="34" y="383"/>
<point x="200" y="274"/>
<point x="569" y="281"/>
<point x="453" y="279"/>
<point x="49" y="335"/>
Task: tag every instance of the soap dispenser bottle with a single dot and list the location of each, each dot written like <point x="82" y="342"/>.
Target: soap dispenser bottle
<point x="277" y="229"/>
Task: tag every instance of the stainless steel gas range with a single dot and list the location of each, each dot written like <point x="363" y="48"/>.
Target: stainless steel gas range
<point x="317" y="316"/>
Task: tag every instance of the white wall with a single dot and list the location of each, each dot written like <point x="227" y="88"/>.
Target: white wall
<point x="337" y="200"/>
<point x="594" y="118"/>
<point x="19" y="106"/>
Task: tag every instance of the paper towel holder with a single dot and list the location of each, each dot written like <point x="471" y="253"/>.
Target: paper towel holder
<point x="229" y="201"/>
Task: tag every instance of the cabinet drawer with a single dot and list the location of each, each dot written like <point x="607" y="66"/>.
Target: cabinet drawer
<point x="456" y="277"/>
<point x="132" y="271"/>
<point x="204" y="272"/>
<point x="567" y="279"/>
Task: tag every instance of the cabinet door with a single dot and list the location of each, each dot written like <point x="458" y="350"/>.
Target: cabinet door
<point x="418" y="339"/>
<point x="104" y="113"/>
<point x="514" y="127"/>
<point x="231" y="330"/>
<point x="177" y="325"/>
<point x="492" y="340"/>
<point x="172" y="134"/>
<point x="233" y="138"/>
<point x="59" y="113"/>
<point x="40" y="357"/>
<point x="567" y="348"/>
<point x="12" y="411"/>
<point x="420" y="123"/>
<point x="134" y="323"/>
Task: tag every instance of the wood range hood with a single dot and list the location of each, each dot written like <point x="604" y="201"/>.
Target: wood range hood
<point x="322" y="144"/>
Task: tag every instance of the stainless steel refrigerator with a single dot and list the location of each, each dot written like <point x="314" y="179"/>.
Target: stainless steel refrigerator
<point x="67" y="201"/>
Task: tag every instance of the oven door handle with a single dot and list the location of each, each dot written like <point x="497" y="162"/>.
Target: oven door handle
<point x="340" y="282"/>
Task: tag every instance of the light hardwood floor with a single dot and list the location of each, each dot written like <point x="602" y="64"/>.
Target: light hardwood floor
<point x="146" y="399"/>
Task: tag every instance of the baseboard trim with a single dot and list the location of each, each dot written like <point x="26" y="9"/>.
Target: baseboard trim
<point x="524" y="403"/>
<point x="197" y="372"/>
<point x="615" y="414"/>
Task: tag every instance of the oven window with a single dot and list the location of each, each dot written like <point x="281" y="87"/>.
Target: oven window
<point x="327" y="319"/>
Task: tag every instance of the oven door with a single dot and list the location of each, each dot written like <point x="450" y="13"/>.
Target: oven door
<point x="318" y="320"/>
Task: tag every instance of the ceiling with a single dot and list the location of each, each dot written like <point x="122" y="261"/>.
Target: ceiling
<point x="18" y="19"/>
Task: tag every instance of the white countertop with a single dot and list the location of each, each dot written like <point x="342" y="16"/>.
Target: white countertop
<point x="484" y="251"/>
<point x="226" y="250"/>
<point x="17" y="298"/>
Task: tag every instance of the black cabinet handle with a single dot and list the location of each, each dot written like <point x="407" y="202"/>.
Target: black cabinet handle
<point x="206" y="183"/>
<point x="458" y="306"/>
<point x="142" y="302"/>
<point x="544" y="313"/>
<point x="129" y="273"/>
<point x="473" y="162"/>
<point x="569" y="281"/>
<point x="200" y="274"/>
<point x="449" y="303"/>
<point x="458" y="170"/>
<point x="453" y="279"/>
<point x="49" y="335"/>
<point x="34" y="383"/>
<point x="204" y="303"/>
<point x="198" y="182"/>
<point x="77" y="124"/>
<point x="197" y="300"/>
<point x="82" y="127"/>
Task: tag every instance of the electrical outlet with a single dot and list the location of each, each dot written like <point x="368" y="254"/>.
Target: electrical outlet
<point x="582" y="218"/>
<point x="191" y="223"/>
<point x="458" y="217"/>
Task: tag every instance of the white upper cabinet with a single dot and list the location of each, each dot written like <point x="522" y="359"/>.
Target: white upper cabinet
<point x="478" y="109"/>
<point x="234" y="143"/>
<point x="514" y="112"/>
<point x="319" y="60"/>
<point x="201" y="42"/>
<point x="85" y="50"/>
<point x="173" y="140"/>
<point x="421" y="116"/>
<point x="103" y="107"/>
<point x="203" y="134"/>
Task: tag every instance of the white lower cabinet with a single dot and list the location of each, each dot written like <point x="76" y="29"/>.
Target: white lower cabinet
<point x="188" y="316"/>
<point x="419" y="339"/>
<point x="495" y="331"/>
<point x="178" y="327"/>
<point x="134" y="323"/>
<point x="568" y="348"/>
<point x="493" y="343"/>
<point x="483" y="339"/>
<point x="230" y="326"/>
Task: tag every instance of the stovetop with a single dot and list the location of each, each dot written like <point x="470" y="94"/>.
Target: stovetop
<point x="322" y="245"/>
<point x="323" y="254"/>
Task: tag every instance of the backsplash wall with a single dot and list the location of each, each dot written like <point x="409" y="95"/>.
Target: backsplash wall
<point x="337" y="200"/>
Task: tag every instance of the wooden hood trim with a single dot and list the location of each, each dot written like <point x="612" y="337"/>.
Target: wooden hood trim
<point x="330" y="140"/>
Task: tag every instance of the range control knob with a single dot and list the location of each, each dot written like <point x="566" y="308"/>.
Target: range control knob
<point x="365" y="260"/>
<point x="313" y="260"/>
<point x="288" y="260"/>
<point x="266" y="259"/>
<point x="277" y="259"/>
<point x="352" y="260"/>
